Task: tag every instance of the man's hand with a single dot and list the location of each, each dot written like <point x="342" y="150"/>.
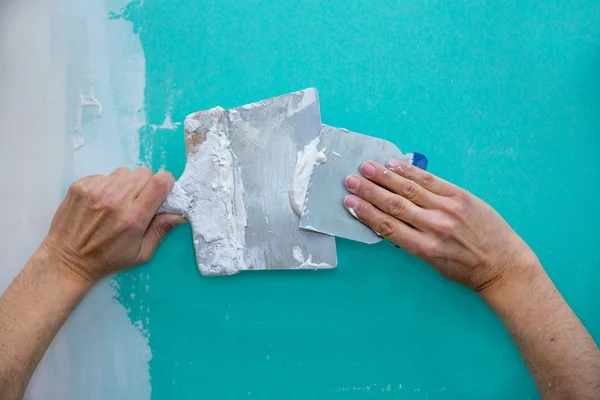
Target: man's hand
<point x="467" y="241"/>
<point x="462" y="237"/>
<point x="107" y="223"/>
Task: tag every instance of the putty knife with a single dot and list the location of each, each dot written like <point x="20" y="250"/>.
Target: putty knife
<point x="346" y="151"/>
<point x="264" y="140"/>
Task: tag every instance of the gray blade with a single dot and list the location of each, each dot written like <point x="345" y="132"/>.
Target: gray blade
<point x="266" y="138"/>
<point x="323" y="207"/>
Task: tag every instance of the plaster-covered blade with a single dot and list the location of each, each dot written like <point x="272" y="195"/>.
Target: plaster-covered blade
<point x="346" y="151"/>
<point x="234" y="190"/>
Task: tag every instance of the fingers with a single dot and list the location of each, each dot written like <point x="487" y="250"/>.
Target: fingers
<point x="385" y="225"/>
<point x="144" y="190"/>
<point x="154" y="194"/>
<point x="157" y="230"/>
<point x="399" y="185"/>
<point x="119" y="173"/>
<point x="423" y="178"/>
<point x="392" y="204"/>
<point x="80" y="187"/>
<point x="137" y="181"/>
<point x="114" y="181"/>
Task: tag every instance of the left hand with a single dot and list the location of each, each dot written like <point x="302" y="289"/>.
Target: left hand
<point x="107" y="223"/>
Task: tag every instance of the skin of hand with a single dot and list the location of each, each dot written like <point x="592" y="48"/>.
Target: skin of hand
<point x="462" y="237"/>
<point x="105" y="224"/>
<point x="467" y="241"/>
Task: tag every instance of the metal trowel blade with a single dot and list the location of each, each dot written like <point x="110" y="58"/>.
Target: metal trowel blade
<point x="265" y="138"/>
<point x="346" y="151"/>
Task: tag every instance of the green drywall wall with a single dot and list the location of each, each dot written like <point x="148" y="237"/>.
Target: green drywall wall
<point x="504" y="99"/>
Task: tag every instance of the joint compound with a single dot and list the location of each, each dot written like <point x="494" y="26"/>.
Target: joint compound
<point x="251" y="225"/>
<point x="306" y="159"/>
<point x="212" y="192"/>
<point x="352" y="212"/>
<point x="308" y="262"/>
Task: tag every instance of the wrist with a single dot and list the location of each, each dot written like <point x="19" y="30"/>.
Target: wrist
<point x="519" y="282"/>
<point x="53" y="263"/>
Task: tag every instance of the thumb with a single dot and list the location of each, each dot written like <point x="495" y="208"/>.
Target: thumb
<point x="157" y="230"/>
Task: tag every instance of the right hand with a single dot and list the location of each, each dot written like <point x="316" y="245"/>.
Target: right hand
<point x="107" y="223"/>
<point x="461" y="236"/>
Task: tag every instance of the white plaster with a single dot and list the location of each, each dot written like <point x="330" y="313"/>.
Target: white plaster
<point x="306" y="159"/>
<point x="210" y="194"/>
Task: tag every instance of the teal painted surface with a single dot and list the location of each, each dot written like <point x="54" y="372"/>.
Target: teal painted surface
<point x="504" y="98"/>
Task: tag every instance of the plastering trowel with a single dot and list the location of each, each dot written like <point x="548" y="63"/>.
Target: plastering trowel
<point x="346" y="151"/>
<point x="234" y="190"/>
<point x="252" y="171"/>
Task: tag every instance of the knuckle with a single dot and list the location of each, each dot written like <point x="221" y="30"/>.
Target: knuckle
<point x="433" y="250"/>
<point x="366" y="192"/>
<point x="396" y="206"/>
<point x="122" y="170"/>
<point x="408" y="170"/>
<point x="77" y="188"/>
<point x="428" y="250"/>
<point x="112" y="203"/>
<point x="386" y="227"/>
<point x="144" y="258"/>
<point x="143" y="170"/>
<point x="161" y="183"/>
<point x="410" y="190"/>
<point x="445" y="226"/>
<point x="131" y="221"/>
<point x="456" y="208"/>
<point x="421" y="250"/>
<point x="95" y="196"/>
<point x="428" y="180"/>
<point x="161" y="230"/>
<point x="459" y="203"/>
<point x="462" y="196"/>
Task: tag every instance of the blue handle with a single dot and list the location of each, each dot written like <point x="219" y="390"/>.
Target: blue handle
<point x="420" y="161"/>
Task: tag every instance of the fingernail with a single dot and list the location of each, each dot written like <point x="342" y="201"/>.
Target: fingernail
<point x="394" y="166"/>
<point x="368" y="169"/>
<point x="350" y="202"/>
<point x="166" y="174"/>
<point x="352" y="182"/>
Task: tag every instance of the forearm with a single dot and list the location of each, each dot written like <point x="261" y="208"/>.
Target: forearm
<point x="559" y="352"/>
<point x="32" y="310"/>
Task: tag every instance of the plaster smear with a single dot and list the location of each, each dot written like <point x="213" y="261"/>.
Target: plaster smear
<point x="210" y="194"/>
<point x="306" y="160"/>
<point x="308" y="262"/>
